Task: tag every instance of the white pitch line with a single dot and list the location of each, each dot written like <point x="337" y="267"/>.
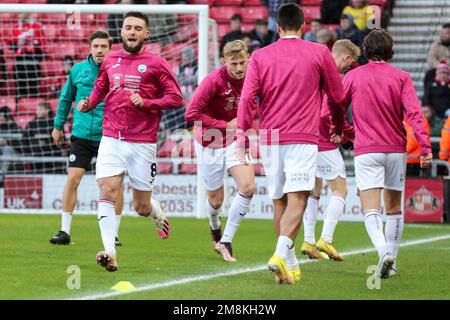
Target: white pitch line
<point x="154" y="286"/>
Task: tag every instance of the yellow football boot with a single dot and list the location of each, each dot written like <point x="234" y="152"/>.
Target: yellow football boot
<point x="278" y="266"/>
<point x="310" y="250"/>
<point x="328" y="249"/>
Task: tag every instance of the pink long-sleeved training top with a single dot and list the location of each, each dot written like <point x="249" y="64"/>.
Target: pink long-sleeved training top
<point x="123" y="74"/>
<point x="215" y="103"/>
<point x="380" y="95"/>
<point x="287" y="78"/>
<point x="325" y="126"/>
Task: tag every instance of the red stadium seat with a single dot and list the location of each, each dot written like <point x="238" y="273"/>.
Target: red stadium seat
<point x="165" y="167"/>
<point x="8" y="101"/>
<point x="235" y="3"/>
<point x="155" y="48"/>
<point x="247" y="27"/>
<point x="60" y="18"/>
<point x="332" y="27"/>
<point x="222" y="30"/>
<point x="381" y="3"/>
<point x="209" y="2"/>
<point x="73" y="33"/>
<point x="50" y="68"/>
<point x="187" y="168"/>
<point x="310" y="2"/>
<point x="28" y="105"/>
<point x="7" y="29"/>
<point x="8" y="17"/>
<point x="31" y="1"/>
<point x="187" y="18"/>
<point x="173" y="51"/>
<point x="252" y="3"/>
<point x="188" y="31"/>
<point x="168" y="149"/>
<point x="251" y="14"/>
<point x="58" y="50"/>
<point x="223" y="14"/>
<point x="311" y="13"/>
<point x="51" y="31"/>
<point x="54" y="105"/>
<point x="186" y="149"/>
<point x="22" y="120"/>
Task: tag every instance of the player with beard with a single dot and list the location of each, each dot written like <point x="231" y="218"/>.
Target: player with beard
<point x="137" y="85"/>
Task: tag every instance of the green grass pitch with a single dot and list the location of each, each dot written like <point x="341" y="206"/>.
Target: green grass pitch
<point x="32" y="268"/>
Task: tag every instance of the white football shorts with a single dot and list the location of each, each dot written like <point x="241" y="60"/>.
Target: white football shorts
<point x="330" y="165"/>
<point x="289" y="168"/>
<point x="214" y="162"/>
<point x="116" y="157"/>
<point x="380" y="170"/>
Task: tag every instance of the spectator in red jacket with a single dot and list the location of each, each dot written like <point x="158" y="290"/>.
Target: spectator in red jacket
<point x="27" y="44"/>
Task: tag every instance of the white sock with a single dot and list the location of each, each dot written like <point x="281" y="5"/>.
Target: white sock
<point x="66" y="222"/>
<point x="374" y="227"/>
<point x="107" y="223"/>
<point x="283" y="245"/>
<point x="118" y="218"/>
<point x="394" y="232"/>
<point x="334" y="210"/>
<point x="291" y="261"/>
<point x="310" y="219"/>
<point x="238" y="209"/>
<point x="155" y="205"/>
<point x="213" y="215"/>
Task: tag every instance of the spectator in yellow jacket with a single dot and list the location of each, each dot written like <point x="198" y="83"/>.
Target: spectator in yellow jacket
<point x="360" y="12"/>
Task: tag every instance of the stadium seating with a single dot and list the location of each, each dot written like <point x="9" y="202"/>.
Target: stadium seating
<point x="28" y="105"/>
<point x="310" y="2"/>
<point x="187" y="168"/>
<point x="50" y="68"/>
<point x="210" y="2"/>
<point x="165" y="167"/>
<point x="223" y="14"/>
<point x="311" y="13"/>
<point x="62" y="49"/>
<point x="251" y="14"/>
<point x="235" y="3"/>
<point x="252" y="3"/>
<point x="167" y="149"/>
<point x="9" y="101"/>
<point x="22" y="120"/>
<point x="53" y="105"/>
<point x="186" y="149"/>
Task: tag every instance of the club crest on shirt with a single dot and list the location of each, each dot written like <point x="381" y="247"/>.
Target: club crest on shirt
<point x="142" y="68"/>
<point x="117" y="81"/>
<point x="232" y="103"/>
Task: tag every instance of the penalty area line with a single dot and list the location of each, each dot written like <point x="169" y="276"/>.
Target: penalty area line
<point x="206" y="277"/>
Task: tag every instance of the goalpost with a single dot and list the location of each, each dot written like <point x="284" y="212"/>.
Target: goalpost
<point x="33" y="71"/>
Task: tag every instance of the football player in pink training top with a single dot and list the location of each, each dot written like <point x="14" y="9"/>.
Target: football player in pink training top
<point x="331" y="167"/>
<point x="381" y="96"/>
<point x="137" y="85"/>
<point x="214" y="109"/>
<point x="287" y="78"/>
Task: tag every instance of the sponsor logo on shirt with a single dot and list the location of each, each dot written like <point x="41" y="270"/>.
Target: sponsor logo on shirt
<point x="142" y="68"/>
<point x="228" y="92"/>
<point x="72" y="158"/>
<point x="132" y="82"/>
